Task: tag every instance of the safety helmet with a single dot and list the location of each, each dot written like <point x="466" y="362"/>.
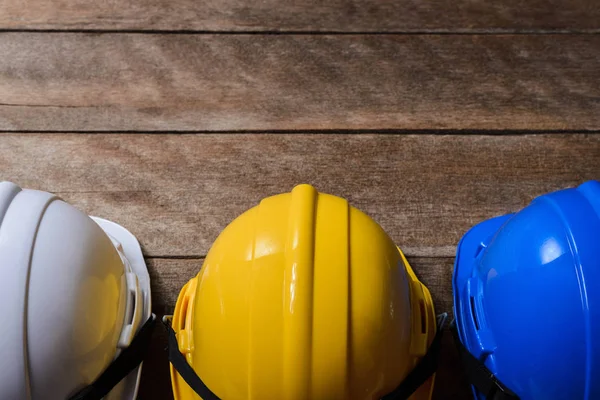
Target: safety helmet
<point x="74" y="291"/>
<point x="527" y="303"/>
<point x="303" y="297"/>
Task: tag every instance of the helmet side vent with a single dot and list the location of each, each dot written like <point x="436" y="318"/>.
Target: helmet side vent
<point x="183" y="313"/>
<point x="132" y="304"/>
<point x="474" y="312"/>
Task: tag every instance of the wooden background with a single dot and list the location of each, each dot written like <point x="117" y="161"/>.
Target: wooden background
<point x="173" y="117"/>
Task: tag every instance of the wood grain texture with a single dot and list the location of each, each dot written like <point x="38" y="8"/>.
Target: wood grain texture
<point x="147" y="82"/>
<point x="305" y="15"/>
<point x="177" y="192"/>
<point x="169" y="275"/>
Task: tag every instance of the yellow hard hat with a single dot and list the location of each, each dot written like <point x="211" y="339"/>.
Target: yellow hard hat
<point x="302" y="297"/>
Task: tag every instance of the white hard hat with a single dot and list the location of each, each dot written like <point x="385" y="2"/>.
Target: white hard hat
<point x="75" y="297"/>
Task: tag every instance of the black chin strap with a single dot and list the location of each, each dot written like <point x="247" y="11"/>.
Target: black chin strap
<point x="126" y="362"/>
<point x="419" y="375"/>
<point x="184" y="369"/>
<point x="478" y="375"/>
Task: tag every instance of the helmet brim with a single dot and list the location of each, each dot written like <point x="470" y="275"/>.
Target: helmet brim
<point x="133" y="253"/>
<point x="468" y="249"/>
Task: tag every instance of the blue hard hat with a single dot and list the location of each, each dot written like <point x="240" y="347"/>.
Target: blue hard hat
<point x="527" y="300"/>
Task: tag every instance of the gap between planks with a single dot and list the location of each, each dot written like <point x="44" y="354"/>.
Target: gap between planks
<point x="458" y="32"/>
<point x="434" y="132"/>
<point x="367" y="16"/>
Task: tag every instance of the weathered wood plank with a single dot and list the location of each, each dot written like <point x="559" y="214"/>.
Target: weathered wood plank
<point x="168" y="277"/>
<point x="177" y="192"/>
<point x="133" y="82"/>
<point x="306" y="15"/>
